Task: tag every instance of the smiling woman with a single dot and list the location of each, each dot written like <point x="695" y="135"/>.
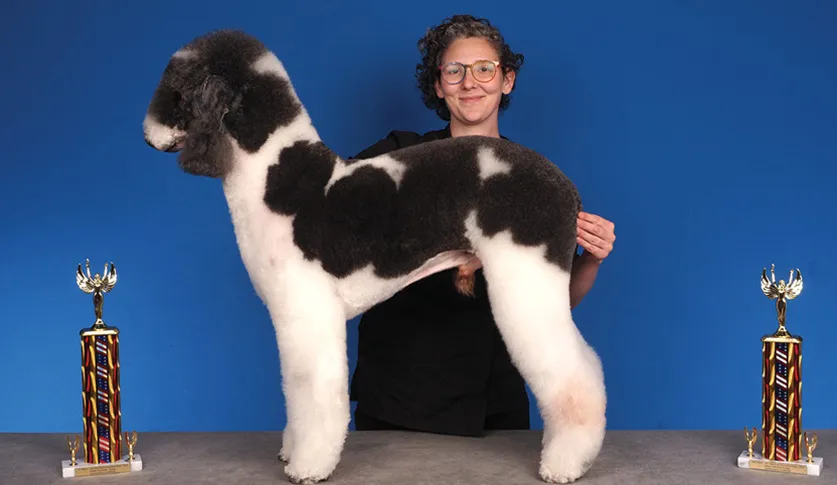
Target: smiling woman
<point x="467" y="73"/>
<point x="473" y="100"/>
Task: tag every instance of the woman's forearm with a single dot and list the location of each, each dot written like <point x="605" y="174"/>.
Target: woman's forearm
<point x="584" y="273"/>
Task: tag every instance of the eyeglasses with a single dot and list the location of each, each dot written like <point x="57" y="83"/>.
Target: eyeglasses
<point x="483" y="71"/>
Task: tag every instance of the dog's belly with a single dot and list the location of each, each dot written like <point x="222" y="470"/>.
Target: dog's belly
<point x="362" y="289"/>
<point x="440" y="262"/>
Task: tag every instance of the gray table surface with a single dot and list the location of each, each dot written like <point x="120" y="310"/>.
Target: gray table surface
<point x="393" y="458"/>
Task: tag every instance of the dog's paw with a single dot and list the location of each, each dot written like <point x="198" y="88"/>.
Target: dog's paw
<point x="564" y="473"/>
<point x="283" y="455"/>
<point x="304" y="477"/>
<point x="569" y="454"/>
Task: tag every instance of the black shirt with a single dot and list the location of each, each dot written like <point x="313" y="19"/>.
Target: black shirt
<point x="429" y="358"/>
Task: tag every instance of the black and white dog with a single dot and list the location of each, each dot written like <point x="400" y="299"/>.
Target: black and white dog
<point x="324" y="239"/>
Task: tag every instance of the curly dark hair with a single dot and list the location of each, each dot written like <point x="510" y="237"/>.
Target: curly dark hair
<point x="437" y="40"/>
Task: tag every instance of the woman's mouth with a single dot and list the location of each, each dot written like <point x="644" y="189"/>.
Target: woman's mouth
<point x="470" y="99"/>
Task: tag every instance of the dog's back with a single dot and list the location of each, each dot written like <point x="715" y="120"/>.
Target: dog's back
<point x="411" y="204"/>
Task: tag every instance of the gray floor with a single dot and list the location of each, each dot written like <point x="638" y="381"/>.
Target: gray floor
<point x="393" y="458"/>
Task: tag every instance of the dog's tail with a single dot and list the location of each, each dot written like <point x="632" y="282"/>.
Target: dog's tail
<point x="463" y="280"/>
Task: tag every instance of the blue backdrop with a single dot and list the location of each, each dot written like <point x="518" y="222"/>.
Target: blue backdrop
<point x="704" y="130"/>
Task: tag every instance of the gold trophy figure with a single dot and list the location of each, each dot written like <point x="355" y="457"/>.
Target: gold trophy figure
<point x="781" y="292"/>
<point x="100" y="388"/>
<point x="73" y="446"/>
<point x="781" y="446"/>
<point x="132" y="441"/>
<point x="98" y="285"/>
<point x="810" y="445"/>
<point x="751" y="439"/>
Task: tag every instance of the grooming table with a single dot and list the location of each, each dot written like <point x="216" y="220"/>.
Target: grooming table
<point x="396" y="458"/>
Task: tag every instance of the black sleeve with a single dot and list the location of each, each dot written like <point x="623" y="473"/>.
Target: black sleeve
<point x="394" y="140"/>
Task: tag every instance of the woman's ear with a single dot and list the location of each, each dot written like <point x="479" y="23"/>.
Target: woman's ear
<point x="439" y="92"/>
<point x="508" y="81"/>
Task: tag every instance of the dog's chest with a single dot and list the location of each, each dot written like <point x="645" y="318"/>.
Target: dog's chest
<point x="265" y="238"/>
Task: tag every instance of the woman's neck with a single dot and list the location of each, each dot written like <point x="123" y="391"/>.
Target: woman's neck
<point x="486" y="128"/>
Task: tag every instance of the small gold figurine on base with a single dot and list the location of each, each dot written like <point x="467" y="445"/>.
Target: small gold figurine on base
<point x="132" y="441"/>
<point x="73" y="446"/>
<point x="810" y="445"/>
<point x="751" y="439"/>
<point x="781" y="392"/>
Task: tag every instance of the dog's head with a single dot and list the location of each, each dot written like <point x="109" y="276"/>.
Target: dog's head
<point x="222" y="88"/>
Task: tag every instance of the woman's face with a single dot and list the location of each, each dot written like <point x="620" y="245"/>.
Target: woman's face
<point x="472" y="102"/>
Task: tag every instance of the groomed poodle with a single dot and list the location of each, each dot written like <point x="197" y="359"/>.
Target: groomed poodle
<point x="324" y="239"/>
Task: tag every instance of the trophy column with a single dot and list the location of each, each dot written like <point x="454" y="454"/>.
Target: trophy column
<point x="781" y="403"/>
<point x="101" y="409"/>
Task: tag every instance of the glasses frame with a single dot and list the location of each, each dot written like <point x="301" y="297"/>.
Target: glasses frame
<point x="466" y="68"/>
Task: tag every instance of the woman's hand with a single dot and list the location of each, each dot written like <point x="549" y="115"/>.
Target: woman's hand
<point x="596" y="235"/>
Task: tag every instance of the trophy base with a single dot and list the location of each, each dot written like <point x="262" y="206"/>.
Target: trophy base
<point x="82" y="469"/>
<point x="799" y="467"/>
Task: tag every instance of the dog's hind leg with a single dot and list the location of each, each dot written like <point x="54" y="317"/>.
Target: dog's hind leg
<point x="530" y="301"/>
<point x="311" y="335"/>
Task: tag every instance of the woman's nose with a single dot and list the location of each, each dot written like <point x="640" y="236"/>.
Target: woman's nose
<point x="469" y="80"/>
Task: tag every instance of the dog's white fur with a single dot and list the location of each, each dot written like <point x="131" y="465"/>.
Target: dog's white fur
<point x="309" y="308"/>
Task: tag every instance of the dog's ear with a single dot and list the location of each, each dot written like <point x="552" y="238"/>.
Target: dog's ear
<point x="212" y="101"/>
<point x="207" y="150"/>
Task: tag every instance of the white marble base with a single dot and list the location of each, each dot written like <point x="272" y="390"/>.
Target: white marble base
<point x="82" y="469"/>
<point x="799" y="467"/>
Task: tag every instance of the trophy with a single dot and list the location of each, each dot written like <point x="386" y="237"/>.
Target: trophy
<point x="100" y="390"/>
<point x="782" y="439"/>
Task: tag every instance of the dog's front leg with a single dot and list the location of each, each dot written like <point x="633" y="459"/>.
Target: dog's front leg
<point x="312" y="349"/>
<point x="287" y="443"/>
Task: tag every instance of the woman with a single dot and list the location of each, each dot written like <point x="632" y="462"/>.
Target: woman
<point x="430" y="358"/>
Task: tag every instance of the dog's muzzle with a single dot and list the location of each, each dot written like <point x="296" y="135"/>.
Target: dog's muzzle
<point x="161" y="137"/>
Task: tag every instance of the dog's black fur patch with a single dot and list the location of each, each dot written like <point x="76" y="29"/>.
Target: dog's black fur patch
<point x="211" y="91"/>
<point x="300" y="176"/>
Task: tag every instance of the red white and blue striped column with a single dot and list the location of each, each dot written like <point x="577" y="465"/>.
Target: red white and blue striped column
<point x="781" y="398"/>
<point x="101" y="395"/>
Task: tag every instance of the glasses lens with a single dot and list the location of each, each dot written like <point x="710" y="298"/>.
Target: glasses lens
<point x="453" y="73"/>
<point x="483" y="70"/>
